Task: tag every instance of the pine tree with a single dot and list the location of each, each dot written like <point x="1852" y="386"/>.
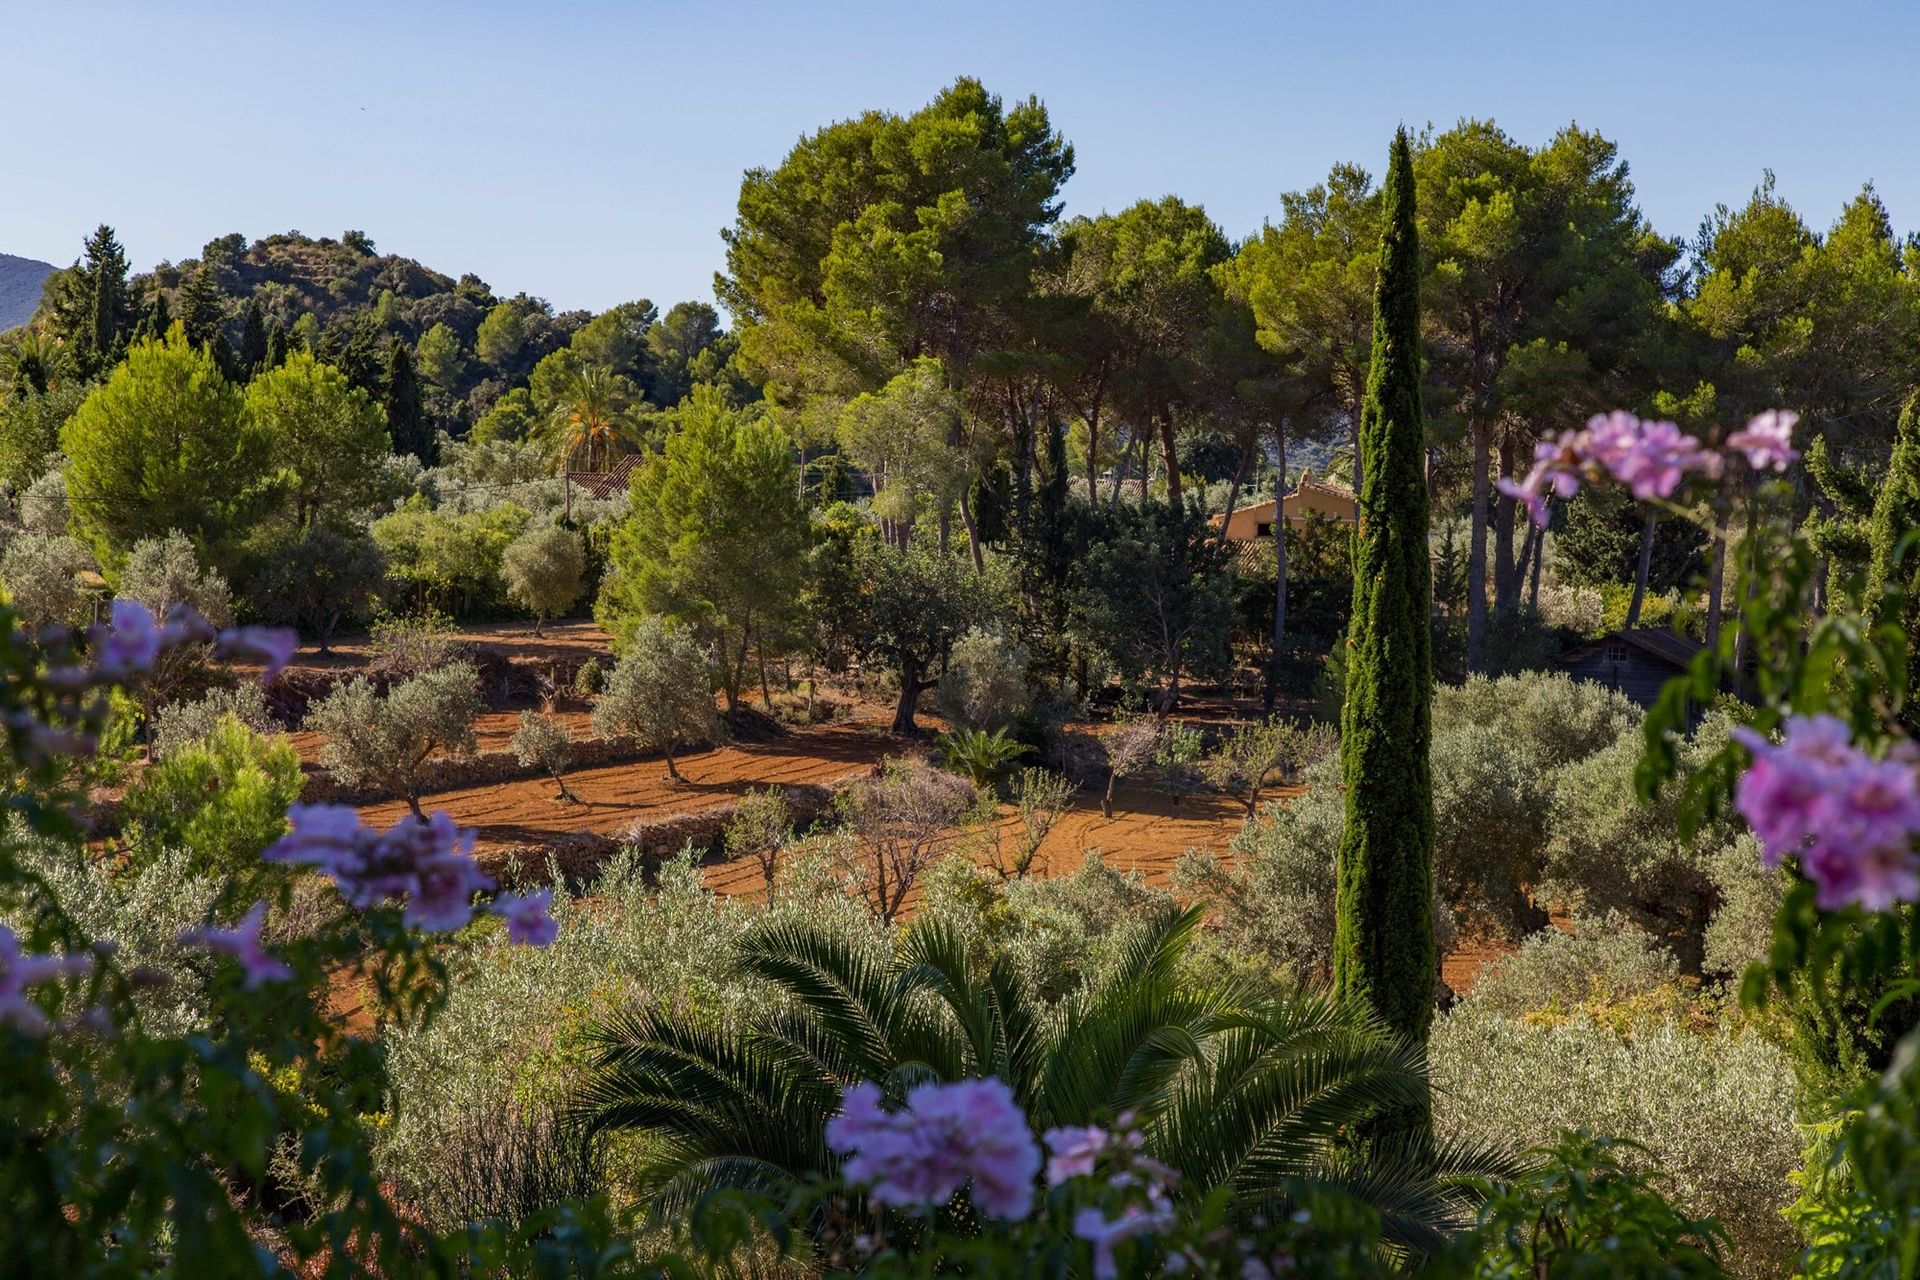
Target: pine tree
<point x="276" y="345"/>
<point x="1383" y="931"/>
<point x="407" y="420"/>
<point x="1896" y="513"/>
<point x="159" y="317"/>
<point x="253" y="339"/>
<point x="203" y="311"/>
<point x="106" y="269"/>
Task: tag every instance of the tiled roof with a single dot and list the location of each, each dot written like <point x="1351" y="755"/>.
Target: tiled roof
<point x="604" y="484"/>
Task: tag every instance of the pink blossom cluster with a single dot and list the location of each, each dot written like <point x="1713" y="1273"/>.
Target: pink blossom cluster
<point x="1849" y="817"/>
<point x="1651" y="458"/>
<point x="1079" y="1152"/>
<point x="132" y="640"/>
<point x="427" y="864"/>
<point x="20" y="970"/>
<point x="946" y="1136"/>
<point x="242" y="942"/>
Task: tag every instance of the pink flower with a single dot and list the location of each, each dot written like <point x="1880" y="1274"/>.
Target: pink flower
<point x="1767" y="440"/>
<point x="947" y="1134"/>
<point x="1850" y="818"/>
<point x="184" y="624"/>
<point x="528" y="916"/>
<point x="242" y="942"/>
<point x="20" y="970"/>
<point x="130" y="643"/>
<point x="326" y="836"/>
<point x="1104" y="1233"/>
<point x="273" y="645"/>
<point x="1074" y="1152"/>
<point x="427" y="863"/>
<point x="1653" y="465"/>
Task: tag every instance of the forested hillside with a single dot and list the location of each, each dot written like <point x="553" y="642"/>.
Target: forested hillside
<point x="20" y="283"/>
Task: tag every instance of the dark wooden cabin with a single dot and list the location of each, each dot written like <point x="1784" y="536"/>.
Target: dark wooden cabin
<point x="1636" y="662"/>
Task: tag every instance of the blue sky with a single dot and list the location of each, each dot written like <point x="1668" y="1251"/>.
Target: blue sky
<point x="590" y="152"/>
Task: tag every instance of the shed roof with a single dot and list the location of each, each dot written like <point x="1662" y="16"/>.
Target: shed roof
<point x="1659" y="643"/>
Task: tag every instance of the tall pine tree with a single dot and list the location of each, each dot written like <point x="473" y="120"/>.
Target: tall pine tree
<point x="1383" y="930"/>
<point x="253" y="340"/>
<point x="106" y="268"/>
<point x="407" y="421"/>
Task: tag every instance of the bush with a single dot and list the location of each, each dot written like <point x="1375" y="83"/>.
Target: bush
<point x="163" y="572"/>
<point x="902" y="822"/>
<point x="659" y="694"/>
<point x="985" y="683"/>
<point x="387" y="741"/>
<point x="761" y="828"/>
<point x="1715" y="1113"/>
<point x="545" y="571"/>
<point x="413" y="644"/>
<point x="589" y="678"/>
<point x="504" y="1162"/>
<point x="318" y="583"/>
<point x="1601" y="963"/>
<point x="181" y="723"/>
<point x="1609" y="853"/>
<point x="43" y="505"/>
<point x="43" y="579"/>
<point x="223" y="798"/>
<point x="544" y="743"/>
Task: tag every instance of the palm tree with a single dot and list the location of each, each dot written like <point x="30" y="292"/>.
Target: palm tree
<point x="591" y="414"/>
<point x="1234" y="1087"/>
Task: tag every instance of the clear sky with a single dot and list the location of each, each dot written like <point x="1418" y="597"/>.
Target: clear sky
<point x="590" y="152"/>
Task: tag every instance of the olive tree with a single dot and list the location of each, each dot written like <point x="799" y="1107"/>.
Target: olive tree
<point x="985" y="682"/>
<point x="42" y="575"/>
<point x="659" y="694"/>
<point x="387" y="741"/>
<point x="761" y="828"/>
<point x="543" y="742"/>
<point x="902" y="822"/>
<point x="319" y="581"/>
<point x="545" y="570"/>
<point x="1253" y="755"/>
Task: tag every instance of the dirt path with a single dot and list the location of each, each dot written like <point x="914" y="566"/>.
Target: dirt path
<point x="619" y="795"/>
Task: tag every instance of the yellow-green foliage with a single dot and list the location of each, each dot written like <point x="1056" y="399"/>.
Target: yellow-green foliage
<point x="222" y="799"/>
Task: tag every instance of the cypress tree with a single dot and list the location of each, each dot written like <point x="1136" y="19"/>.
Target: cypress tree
<point x="203" y="312"/>
<point x="407" y="420"/>
<point x="1383" y="930"/>
<point x="1893" y="582"/>
<point x="253" y="339"/>
<point x="159" y="317"/>
<point x="276" y="345"/>
<point x="107" y="274"/>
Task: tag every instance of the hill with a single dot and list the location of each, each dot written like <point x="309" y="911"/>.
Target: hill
<point x="20" y="281"/>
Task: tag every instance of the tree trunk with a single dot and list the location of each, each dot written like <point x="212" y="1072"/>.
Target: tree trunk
<point x="910" y="690"/>
<point x="1144" y="468"/>
<point x="1507" y="574"/>
<point x="1279" y="576"/>
<point x="1539" y="556"/>
<point x="1233" y="497"/>
<point x="1106" y="801"/>
<point x="1168" y="447"/>
<point x="1715" y="586"/>
<point x="766" y="694"/>
<point x="673" y="770"/>
<point x="973" y="532"/>
<point x="1093" y="464"/>
<point x="1641" y="572"/>
<point x="1477" y="550"/>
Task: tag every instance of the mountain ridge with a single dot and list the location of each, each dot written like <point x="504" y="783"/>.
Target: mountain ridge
<point x="20" y="282"/>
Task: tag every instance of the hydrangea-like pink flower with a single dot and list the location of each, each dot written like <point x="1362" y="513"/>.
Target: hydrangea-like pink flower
<point x="1103" y="1233"/>
<point x="428" y="864"/>
<point x="20" y="970"/>
<point x="946" y="1135"/>
<point x="275" y="646"/>
<point x="1767" y="440"/>
<point x="529" y="917"/>
<point x="129" y="643"/>
<point x="1850" y="818"/>
<point x="242" y="942"/>
<point x="1073" y="1152"/>
<point x="1650" y="458"/>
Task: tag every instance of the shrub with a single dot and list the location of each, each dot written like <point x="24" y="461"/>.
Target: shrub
<point x="43" y="578"/>
<point x="1601" y="963"/>
<point x="659" y="694"/>
<point x="387" y="741"/>
<point x="1040" y="799"/>
<point x="980" y="755"/>
<point x="902" y="821"/>
<point x="1714" y="1113"/>
<point x="180" y="723"/>
<point x="1607" y="852"/>
<point x="543" y="742"/>
<point x="589" y="678"/>
<point x="545" y="571"/>
<point x="43" y="505"/>
<point x="163" y="572"/>
<point x="1131" y="747"/>
<point x="505" y="1162"/>
<point x="319" y="582"/>
<point x="985" y="683"/>
<point x="760" y="828"/>
<point x="223" y="798"/>
<point x="413" y="644"/>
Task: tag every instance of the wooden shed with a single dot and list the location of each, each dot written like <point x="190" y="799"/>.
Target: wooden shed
<point x="1636" y="662"/>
